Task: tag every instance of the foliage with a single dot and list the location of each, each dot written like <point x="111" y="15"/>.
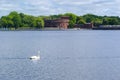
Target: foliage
<point x="39" y="22"/>
<point x="80" y="20"/>
<point x="72" y="18"/>
<point x="17" y="20"/>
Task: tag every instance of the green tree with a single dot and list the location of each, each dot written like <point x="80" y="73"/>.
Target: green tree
<point x="72" y="18"/>
<point x="89" y="18"/>
<point x="113" y="21"/>
<point x="80" y="20"/>
<point x="27" y="20"/>
<point x="6" y="22"/>
<point x="39" y="23"/>
<point x="97" y="22"/>
<point x="15" y="18"/>
<point x="105" y="21"/>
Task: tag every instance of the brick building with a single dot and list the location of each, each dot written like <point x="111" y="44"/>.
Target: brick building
<point x="61" y="23"/>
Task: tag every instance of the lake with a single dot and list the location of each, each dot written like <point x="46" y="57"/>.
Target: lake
<point x="65" y="55"/>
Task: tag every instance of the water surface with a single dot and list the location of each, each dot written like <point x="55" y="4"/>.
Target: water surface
<point x="65" y="55"/>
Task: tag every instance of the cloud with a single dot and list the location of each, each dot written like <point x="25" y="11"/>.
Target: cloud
<point x="103" y="2"/>
<point x="48" y="7"/>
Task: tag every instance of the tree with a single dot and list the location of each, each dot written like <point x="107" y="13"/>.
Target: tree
<point x="113" y="21"/>
<point x="15" y="18"/>
<point x="6" y="22"/>
<point x="39" y="23"/>
<point x="72" y="18"/>
<point x="110" y="21"/>
<point x="3" y="21"/>
<point x="97" y="22"/>
<point x="80" y="20"/>
<point x="89" y="17"/>
<point x="105" y="21"/>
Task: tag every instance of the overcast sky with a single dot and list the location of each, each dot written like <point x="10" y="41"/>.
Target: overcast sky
<point x="49" y="7"/>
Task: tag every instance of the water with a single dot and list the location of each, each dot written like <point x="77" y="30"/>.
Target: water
<point x="65" y="55"/>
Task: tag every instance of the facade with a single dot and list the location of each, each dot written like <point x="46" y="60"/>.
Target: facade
<point x="61" y="23"/>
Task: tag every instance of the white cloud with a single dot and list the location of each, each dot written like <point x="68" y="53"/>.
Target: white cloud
<point x="47" y="7"/>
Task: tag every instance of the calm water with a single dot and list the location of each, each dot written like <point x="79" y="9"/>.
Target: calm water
<point x="65" y="55"/>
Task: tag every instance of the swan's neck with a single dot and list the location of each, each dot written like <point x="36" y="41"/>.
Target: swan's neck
<point x="38" y="53"/>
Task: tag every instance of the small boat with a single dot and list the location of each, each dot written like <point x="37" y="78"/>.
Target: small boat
<point x="35" y="57"/>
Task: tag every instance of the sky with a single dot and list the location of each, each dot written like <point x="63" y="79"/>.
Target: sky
<point x="51" y="7"/>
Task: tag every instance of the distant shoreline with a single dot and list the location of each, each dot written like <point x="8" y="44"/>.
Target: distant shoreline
<point x="56" y="29"/>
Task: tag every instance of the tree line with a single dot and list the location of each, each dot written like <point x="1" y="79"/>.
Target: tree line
<point x="15" y="20"/>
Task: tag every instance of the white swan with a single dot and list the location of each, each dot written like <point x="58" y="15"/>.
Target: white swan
<point x="36" y="57"/>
